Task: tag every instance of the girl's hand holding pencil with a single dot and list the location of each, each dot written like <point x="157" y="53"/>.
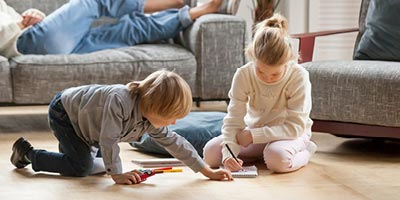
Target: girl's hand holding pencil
<point x="233" y="163"/>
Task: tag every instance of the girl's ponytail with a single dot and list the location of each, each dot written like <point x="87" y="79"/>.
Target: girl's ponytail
<point x="271" y="43"/>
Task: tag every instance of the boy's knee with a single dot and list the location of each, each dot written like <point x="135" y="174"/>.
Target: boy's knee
<point x="82" y="173"/>
<point x="81" y="170"/>
<point x="78" y="173"/>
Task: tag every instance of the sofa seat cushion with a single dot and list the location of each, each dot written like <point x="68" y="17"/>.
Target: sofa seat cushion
<point x="36" y="78"/>
<point x="366" y="92"/>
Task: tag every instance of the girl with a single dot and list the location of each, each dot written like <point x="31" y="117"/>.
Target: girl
<point x="67" y="30"/>
<point x="270" y="103"/>
<point x="93" y="118"/>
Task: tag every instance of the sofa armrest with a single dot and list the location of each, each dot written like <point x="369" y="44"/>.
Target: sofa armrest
<point x="218" y="43"/>
<point x="5" y="81"/>
<point x="307" y="41"/>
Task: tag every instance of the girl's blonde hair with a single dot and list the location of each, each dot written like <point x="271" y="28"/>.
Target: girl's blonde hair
<point x="163" y="93"/>
<point x="271" y="43"/>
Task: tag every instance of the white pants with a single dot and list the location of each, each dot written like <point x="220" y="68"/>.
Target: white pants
<point x="279" y="156"/>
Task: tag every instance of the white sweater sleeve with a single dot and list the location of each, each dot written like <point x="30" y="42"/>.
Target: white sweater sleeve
<point x="298" y="111"/>
<point x="234" y="120"/>
<point x="8" y="31"/>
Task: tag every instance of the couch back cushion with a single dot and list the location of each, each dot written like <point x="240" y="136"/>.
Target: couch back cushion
<point x="361" y="21"/>
<point x="47" y="6"/>
<point x="381" y="38"/>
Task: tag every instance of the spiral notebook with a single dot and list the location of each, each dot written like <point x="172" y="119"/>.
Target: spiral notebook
<point x="158" y="162"/>
<point x="246" y="172"/>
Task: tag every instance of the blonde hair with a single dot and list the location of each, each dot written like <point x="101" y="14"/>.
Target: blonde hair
<point x="271" y="43"/>
<point x="163" y="93"/>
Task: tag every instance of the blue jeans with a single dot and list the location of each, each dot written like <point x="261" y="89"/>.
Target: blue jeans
<point x="67" y="30"/>
<point x="76" y="158"/>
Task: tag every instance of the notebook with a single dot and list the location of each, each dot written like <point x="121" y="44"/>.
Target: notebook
<point x="246" y="172"/>
<point x="158" y="162"/>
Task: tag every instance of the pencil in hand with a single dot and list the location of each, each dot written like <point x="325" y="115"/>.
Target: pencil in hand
<point x="230" y="151"/>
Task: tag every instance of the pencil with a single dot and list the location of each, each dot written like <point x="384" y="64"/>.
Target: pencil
<point x="169" y="170"/>
<point x="230" y="151"/>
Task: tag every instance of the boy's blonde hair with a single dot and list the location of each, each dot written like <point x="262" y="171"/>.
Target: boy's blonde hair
<point x="163" y="93"/>
<point x="271" y="43"/>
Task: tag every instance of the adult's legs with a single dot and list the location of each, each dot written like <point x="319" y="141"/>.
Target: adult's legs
<point x="289" y="155"/>
<point x="137" y="28"/>
<point x="75" y="159"/>
<point x="151" y="6"/>
<point x="62" y="30"/>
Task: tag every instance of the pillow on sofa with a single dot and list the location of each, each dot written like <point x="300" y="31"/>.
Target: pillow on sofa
<point x="197" y="127"/>
<point x="381" y="39"/>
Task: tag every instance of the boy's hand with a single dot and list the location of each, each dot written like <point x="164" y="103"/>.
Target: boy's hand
<point x="219" y="174"/>
<point x="127" y="178"/>
<point x="244" y="138"/>
<point x="31" y="17"/>
<point x="232" y="165"/>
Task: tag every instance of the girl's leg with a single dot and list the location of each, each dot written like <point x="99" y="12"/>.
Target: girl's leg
<point x="288" y="155"/>
<point x="213" y="156"/>
<point x="76" y="159"/>
<point x="62" y="30"/>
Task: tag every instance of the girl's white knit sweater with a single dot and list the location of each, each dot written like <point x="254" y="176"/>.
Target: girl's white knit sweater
<point x="276" y="111"/>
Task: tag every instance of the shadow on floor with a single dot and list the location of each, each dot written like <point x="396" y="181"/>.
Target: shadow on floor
<point x="372" y="146"/>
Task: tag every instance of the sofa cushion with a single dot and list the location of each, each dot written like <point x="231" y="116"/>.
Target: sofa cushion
<point x="365" y="92"/>
<point x="47" y="6"/>
<point x="381" y="39"/>
<point x="197" y="127"/>
<point x="36" y="78"/>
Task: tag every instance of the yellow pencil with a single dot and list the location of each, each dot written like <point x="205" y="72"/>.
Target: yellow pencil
<point x="169" y="170"/>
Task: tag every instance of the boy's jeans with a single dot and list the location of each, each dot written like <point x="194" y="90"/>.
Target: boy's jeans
<point x="67" y="30"/>
<point x="76" y="159"/>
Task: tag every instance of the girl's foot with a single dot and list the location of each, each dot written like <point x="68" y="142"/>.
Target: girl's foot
<point x="311" y="147"/>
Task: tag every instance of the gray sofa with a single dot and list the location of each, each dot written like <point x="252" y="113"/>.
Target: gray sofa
<point x="206" y="55"/>
<point x="357" y="98"/>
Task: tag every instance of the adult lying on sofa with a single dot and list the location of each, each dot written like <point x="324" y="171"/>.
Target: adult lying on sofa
<point x="200" y="55"/>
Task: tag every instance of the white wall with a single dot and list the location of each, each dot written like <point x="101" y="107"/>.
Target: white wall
<point x="317" y="15"/>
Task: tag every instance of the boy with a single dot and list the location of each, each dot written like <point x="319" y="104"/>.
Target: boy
<point x="87" y="118"/>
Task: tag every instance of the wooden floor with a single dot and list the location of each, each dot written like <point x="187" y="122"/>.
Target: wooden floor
<point x="341" y="169"/>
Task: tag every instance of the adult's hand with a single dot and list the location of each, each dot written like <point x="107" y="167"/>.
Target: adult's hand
<point x="31" y="17"/>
